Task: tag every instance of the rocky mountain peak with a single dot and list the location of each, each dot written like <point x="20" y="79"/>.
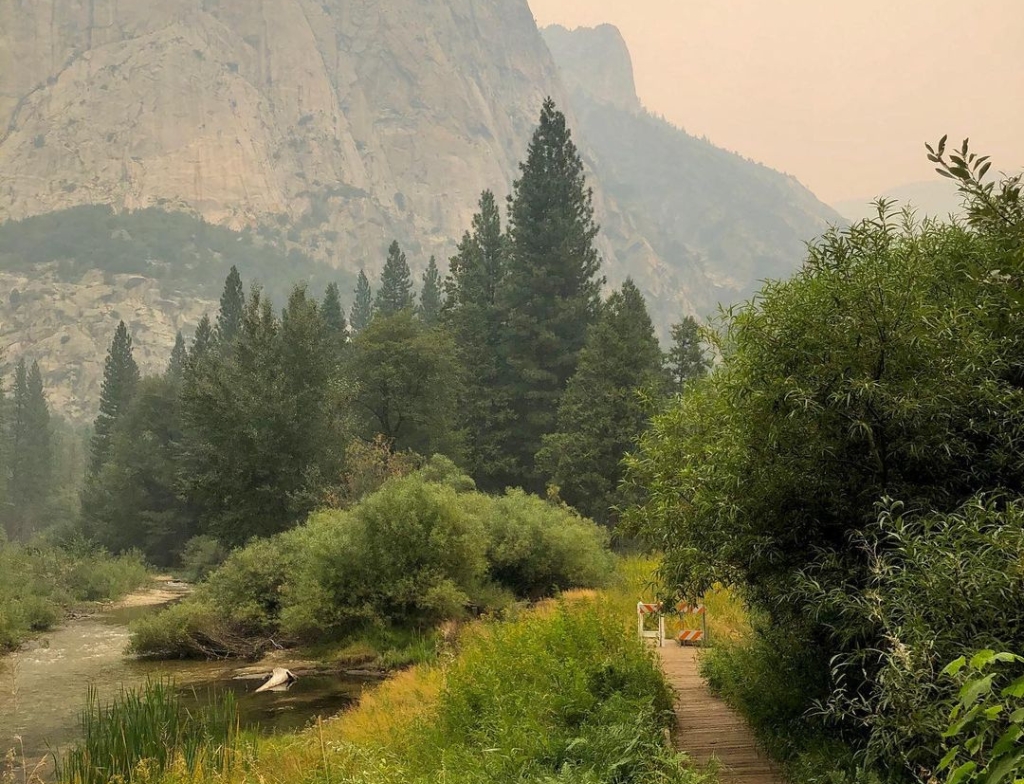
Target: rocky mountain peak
<point x="595" y="61"/>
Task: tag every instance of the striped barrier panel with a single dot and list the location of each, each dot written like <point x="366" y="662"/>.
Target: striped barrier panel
<point x="644" y="609"/>
<point x="690" y="636"/>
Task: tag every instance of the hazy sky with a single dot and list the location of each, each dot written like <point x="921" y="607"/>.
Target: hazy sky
<point x="841" y="93"/>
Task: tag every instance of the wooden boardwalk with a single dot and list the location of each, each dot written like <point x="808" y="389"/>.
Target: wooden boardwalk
<point x="707" y="728"/>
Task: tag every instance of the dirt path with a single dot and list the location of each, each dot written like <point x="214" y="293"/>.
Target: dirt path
<point x="707" y="728"/>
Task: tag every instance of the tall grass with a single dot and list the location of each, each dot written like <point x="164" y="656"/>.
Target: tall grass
<point x="149" y="730"/>
<point x="562" y="693"/>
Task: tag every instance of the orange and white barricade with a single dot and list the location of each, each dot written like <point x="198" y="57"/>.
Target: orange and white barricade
<point x="643" y="609"/>
<point x="691" y="636"/>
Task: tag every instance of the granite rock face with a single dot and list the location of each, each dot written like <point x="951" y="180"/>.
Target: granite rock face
<point x="356" y="120"/>
<point x="67" y="328"/>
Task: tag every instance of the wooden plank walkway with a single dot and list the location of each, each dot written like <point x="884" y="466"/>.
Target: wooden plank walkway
<point x="707" y="728"/>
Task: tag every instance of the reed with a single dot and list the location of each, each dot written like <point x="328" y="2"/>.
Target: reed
<point x="149" y="729"/>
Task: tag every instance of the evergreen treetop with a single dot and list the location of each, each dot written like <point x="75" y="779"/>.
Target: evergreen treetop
<point x="179" y="359"/>
<point x="232" y="306"/>
<point x="332" y="312"/>
<point x="362" y="308"/>
<point x="430" y="294"/>
<point x="120" y="377"/>
<point x="30" y="452"/>
<point x="395" y="293"/>
<point x="685" y="358"/>
<point x="202" y="341"/>
<point x="473" y="317"/>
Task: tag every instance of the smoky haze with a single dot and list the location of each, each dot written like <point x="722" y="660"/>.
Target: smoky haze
<point x="842" y="95"/>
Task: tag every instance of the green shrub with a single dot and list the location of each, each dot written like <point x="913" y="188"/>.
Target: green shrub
<point x="424" y="548"/>
<point x="99" y="577"/>
<point x="940" y="587"/>
<point x="986" y="726"/>
<point x="412" y="554"/>
<point x="247" y="588"/>
<point x="189" y="629"/>
<point x="536" y="548"/>
<point x="201" y="555"/>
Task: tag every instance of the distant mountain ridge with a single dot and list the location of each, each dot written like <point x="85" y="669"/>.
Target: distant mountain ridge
<point x="722" y="223"/>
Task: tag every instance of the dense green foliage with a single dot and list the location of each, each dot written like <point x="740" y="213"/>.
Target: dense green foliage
<point x="430" y="295"/>
<point x="855" y="465"/>
<point x="250" y="428"/>
<point x="40" y="581"/>
<point x="263" y="422"/>
<point x="685" y="358"/>
<point x="42" y="459"/>
<point x="602" y="413"/>
<point x="422" y="549"/>
<point x="987" y="723"/>
<point x="144" y="732"/>
<point x="406" y="377"/>
<point x="120" y="377"/>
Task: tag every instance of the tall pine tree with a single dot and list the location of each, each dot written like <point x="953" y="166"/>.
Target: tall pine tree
<point x="30" y="452"/>
<point x="178" y="361"/>
<point x="685" y="359"/>
<point x="551" y="292"/>
<point x="602" y="414"/>
<point x="232" y="308"/>
<point x="202" y="341"/>
<point x="472" y="314"/>
<point x="333" y="314"/>
<point x="395" y="293"/>
<point x="362" y="308"/>
<point x="430" y="294"/>
<point x="120" y="377"/>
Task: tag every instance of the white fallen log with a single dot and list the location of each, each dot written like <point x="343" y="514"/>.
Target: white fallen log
<point x="280" y="680"/>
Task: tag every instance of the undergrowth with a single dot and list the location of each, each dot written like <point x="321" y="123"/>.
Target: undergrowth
<point x="39" y="582"/>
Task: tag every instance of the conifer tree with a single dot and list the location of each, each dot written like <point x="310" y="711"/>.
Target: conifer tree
<point x="30" y="451"/>
<point x="395" y="294"/>
<point x="430" y="294"/>
<point x="362" y="308"/>
<point x="262" y="426"/>
<point x="472" y="315"/>
<point x="232" y="306"/>
<point x="551" y="292"/>
<point x="685" y="359"/>
<point x="602" y="413"/>
<point x="178" y="361"/>
<point x="120" y="377"/>
<point x="333" y="314"/>
<point x="202" y="341"/>
<point x="133" y="501"/>
<point x="407" y="385"/>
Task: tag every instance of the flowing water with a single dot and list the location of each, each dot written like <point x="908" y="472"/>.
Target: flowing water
<point x="43" y="686"/>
